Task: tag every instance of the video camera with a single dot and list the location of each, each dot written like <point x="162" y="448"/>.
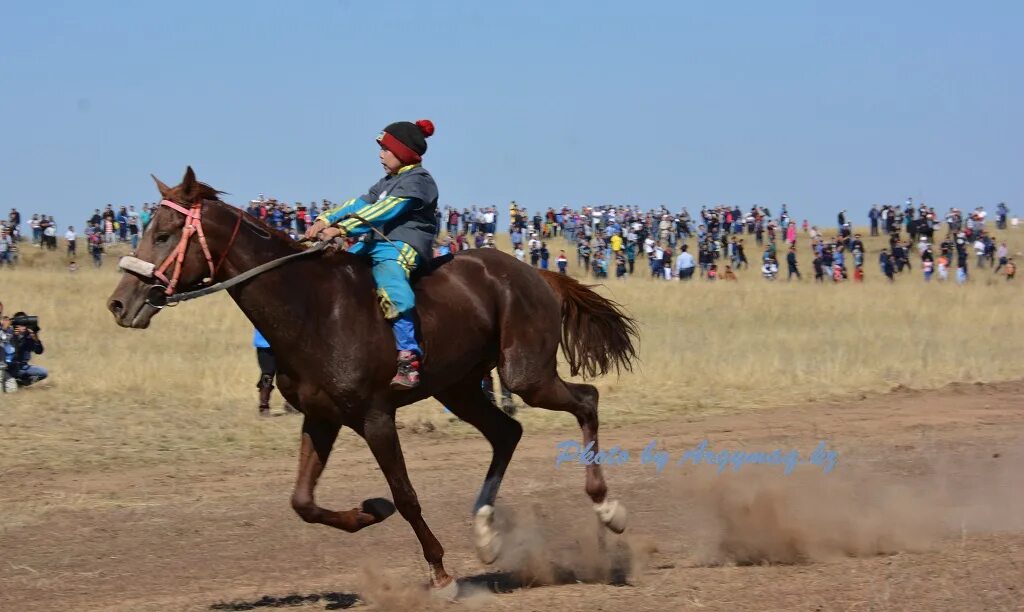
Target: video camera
<point x="29" y="321"/>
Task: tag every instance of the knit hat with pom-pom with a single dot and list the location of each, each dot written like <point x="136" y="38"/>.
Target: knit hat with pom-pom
<point x="407" y="140"/>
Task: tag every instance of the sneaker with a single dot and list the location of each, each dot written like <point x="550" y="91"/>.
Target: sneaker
<point x="408" y="375"/>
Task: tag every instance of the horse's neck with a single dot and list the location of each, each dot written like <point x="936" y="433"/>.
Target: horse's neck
<point x="279" y="300"/>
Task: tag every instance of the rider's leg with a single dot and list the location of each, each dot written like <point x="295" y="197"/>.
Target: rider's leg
<point x="392" y="265"/>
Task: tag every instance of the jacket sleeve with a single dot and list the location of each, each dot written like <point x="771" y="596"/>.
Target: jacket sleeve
<point x="375" y="214"/>
<point x="356" y="205"/>
<point x="333" y="215"/>
<point x="411" y="193"/>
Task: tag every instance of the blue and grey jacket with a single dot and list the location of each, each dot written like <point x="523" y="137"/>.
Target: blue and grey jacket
<point x="402" y="206"/>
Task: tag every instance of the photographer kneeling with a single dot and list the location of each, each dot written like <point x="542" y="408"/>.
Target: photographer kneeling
<point x="25" y="341"/>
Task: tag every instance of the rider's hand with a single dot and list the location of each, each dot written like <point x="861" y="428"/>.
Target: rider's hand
<point x="313" y="230"/>
<point x="331" y="233"/>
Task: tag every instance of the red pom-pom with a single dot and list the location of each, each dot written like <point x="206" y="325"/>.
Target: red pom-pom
<point x="426" y="126"/>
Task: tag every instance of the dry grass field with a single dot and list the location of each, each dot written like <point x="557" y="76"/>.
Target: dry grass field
<point x="177" y="402"/>
<point x="185" y="388"/>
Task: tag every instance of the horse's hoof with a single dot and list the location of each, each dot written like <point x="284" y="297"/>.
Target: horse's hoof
<point x="379" y="508"/>
<point x="486" y="539"/>
<point x="448" y="592"/>
<point x="612" y="514"/>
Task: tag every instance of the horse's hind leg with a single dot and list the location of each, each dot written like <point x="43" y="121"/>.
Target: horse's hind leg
<point x="581" y="401"/>
<point x="317" y="439"/>
<point x="382" y="437"/>
<point x="470" y="403"/>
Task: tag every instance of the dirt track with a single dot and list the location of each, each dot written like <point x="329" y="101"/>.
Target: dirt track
<point x="924" y="510"/>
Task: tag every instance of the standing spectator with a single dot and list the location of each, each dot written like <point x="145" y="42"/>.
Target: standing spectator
<point x="108" y="229"/>
<point x="583" y="253"/>
<point x="1001" y="213"/>
<point x="489" y="224"/>
<point x="1001" y="254"/>
<point x="926" y="268"/>
<point x="37" y="230"/>
<point x="979" y="250"/>
<point x="96" y="248"/>
<point x="268" y="370"/>
<point x="791" y="262"/>
<point x="544" y="256"/>
<point x="50" y="234"/>
<point x="685" y="264"/>
<point x="563" y="263"/>
<point x="6" y="247"/>
<point x="819" y="268"/>
<point x="657" y="258"/>
<point x="620" y="265"/>
<point x="15" y="219"/>
<point x="71" y="239"/>
<point x="888" y="266"/>
<point x="943" y="266"/>
<point x="122" y="224"/>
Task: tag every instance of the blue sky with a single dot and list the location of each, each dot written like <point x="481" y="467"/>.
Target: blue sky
<point x="821" y="105"/>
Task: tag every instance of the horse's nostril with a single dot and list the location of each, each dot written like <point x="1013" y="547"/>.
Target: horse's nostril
<point x="116" y="307"/>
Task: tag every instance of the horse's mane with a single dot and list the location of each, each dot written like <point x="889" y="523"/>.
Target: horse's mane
<point x="207" y="193"/>
<point x="264" y="230"/>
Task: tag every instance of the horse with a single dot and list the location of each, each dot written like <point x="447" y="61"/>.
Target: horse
<point x="476" y="310"/>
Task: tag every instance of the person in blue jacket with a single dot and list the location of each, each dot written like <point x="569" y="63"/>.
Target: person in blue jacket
<point x="268" y="370"/>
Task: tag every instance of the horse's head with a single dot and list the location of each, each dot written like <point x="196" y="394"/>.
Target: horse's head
<point x="174" y="254"/>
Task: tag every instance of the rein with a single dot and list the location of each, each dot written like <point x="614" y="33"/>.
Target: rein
<point x="164" y="295"/>
<point x="244" y="276"/>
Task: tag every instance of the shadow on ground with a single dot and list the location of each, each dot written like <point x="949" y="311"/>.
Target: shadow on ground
<point x="495" y="582"/>
<point x="332" y="601"/>
<point x="506" y="582"/>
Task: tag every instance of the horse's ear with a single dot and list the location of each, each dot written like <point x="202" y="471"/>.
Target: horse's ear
<point x="189" y="184"/>
<point x="164" y="189"/>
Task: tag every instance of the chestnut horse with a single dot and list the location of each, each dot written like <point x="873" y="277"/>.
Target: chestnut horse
<point x="477" y="310"/>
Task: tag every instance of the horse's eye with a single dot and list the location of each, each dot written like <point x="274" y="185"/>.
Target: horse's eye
<point x="162" y="238"/>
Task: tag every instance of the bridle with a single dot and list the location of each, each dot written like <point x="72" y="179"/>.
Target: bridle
<point x="161" y="295"/>
<point x="193" y="226"/>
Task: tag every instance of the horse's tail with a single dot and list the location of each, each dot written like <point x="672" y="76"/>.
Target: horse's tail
<point x="596" y="334"/>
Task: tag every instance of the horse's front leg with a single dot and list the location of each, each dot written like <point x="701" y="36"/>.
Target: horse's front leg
<point x="318" y="438"/>
<point x="382" y="437"/>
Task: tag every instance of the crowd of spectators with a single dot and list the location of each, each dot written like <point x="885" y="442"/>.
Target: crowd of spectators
<point x="712" y="244"/>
